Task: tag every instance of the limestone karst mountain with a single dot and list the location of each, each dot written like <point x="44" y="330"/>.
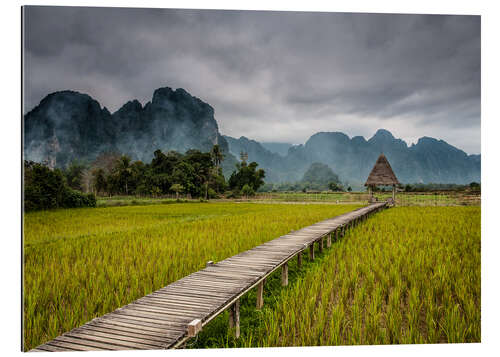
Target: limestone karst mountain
<point x="68" y="126"/>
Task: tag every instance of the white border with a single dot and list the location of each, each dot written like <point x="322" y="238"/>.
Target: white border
<point x="11" y="165"/>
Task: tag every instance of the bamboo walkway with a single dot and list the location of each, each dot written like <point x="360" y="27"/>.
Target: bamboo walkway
<point x="168" y="317"/>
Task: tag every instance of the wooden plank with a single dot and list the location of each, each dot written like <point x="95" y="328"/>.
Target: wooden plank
<point x="212" y="288"/>
<point x="164" y="312"/>
<point x="163" y="319"/>
<point x="220" y="280"/>
<point x="86" y="343"/>
<point x="229" y="275"/>
<point x="72" y="346"/>
<point x="185" y="291"/>
<point x="176" y="306"/>
<point x="216" y="268"/>
<point x="88" y="336"/>
<point x="138" y="325"/>
<point x="127" y="337"/>
<point x="126" y="331"/>
<point x="130" y="319"/>
<point x="190" y="302"/>
<point x="51" y="348"/>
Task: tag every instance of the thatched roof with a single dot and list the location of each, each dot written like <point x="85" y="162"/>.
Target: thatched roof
<point x="382" y="174"/>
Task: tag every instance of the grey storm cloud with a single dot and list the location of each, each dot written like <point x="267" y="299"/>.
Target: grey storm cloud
<point x="271" y="76"/>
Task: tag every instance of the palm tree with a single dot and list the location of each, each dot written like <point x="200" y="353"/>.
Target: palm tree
<point x="124" y="170"/>
<point x="217" y="155"/>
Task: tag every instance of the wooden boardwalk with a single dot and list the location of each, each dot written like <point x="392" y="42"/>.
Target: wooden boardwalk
<point x="171" y="315"/>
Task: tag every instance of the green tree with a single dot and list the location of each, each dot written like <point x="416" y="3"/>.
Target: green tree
<point x="474" y="186"/>
<point x="73" y="174"/>
<point x="334" y="186"/>
<point x="246" y="175"/>
<point x="176" y="187"/>
<point x="124" y="171"/>
<point x="99" y="180"/>
<point x="217" y="155"/>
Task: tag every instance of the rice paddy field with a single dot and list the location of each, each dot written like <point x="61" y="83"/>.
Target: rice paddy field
<point x="405" y="275"/>
<point x="83" y="263"/>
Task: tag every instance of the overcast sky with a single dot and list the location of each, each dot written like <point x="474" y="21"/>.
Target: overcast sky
<point x="270" y="76"/>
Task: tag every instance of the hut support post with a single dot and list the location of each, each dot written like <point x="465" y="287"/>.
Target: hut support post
<point x="394" y="193"/>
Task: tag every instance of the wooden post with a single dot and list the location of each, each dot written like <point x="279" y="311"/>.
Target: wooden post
<point x="394" y="194"/>
<point x="260" y="292"/>
<point x="234" y="318"/>
<point x="337" y="234"/>
<point x="329" y="240"/>
<point x="311" y="251"/>
<point x="299" y="260"/>
<point x="194" y="327"/>
<point x="321" y="245"/>
<point x="284" y="274"/>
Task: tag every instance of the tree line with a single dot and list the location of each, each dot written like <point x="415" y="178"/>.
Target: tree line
<point x="196" y="174"/>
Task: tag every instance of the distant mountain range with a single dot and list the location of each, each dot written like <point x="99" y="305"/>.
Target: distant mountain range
<point x="69" y="126"/>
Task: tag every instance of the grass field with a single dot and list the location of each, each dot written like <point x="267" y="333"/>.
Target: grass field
<point x="406" y="275"/>
<point x="82" y="263"/>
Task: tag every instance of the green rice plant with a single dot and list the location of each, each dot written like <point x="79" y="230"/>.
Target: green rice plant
<point x="406" y="275"/>
<point x="83" y="263"/>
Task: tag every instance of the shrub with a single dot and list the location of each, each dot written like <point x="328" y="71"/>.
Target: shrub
<point x="45" y="189"/>
<point x="212" y="193"/>
<point x="247" y="190"/>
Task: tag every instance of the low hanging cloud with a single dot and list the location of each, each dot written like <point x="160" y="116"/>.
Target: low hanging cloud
<point x="271" y="76"/>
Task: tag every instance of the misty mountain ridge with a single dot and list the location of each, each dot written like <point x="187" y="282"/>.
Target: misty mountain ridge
<point x="428" y="161"/>
<point x="69" y="125"/>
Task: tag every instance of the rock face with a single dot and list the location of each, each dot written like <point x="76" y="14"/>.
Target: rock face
<point x="68" y="126"/>
<point x="428" y="161"/>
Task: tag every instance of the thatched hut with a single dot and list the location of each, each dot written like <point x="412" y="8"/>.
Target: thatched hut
<point x="382" y="175"/>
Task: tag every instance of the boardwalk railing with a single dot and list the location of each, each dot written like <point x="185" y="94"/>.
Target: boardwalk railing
<point x="168" y="317"/>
